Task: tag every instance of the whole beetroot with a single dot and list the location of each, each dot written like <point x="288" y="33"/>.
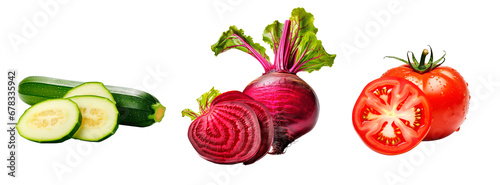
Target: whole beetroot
<point x="291" y="101"/>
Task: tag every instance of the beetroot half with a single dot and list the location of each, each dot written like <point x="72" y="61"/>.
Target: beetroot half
<point x="291" y="101"/>
<point x="230" y="128"/>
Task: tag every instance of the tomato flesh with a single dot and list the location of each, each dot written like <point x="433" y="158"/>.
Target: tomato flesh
<point x="391" y="115"/>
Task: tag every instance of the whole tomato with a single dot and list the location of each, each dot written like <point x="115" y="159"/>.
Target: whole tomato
<point x="444" y="87"/>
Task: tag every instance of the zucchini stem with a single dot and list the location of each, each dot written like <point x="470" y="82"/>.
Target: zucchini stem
<point x="159" y="112"/>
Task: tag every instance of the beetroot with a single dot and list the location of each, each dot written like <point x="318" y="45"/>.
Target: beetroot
<point x="230" y="128"/>
<point x="291" y="101"/>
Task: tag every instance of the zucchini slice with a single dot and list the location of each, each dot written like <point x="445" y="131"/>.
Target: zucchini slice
<point x="99" y="117"/>
<point x="50" y="121"/>
<point x="90" y="88"/>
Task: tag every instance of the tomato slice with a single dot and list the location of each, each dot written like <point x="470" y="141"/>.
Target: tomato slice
<point x="391" y="115"/>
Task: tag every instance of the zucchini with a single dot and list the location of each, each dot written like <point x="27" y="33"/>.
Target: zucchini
<point x="135" y="107"/>
<point x="99" y="117"/>
<point x="90" y="88"/>
<point x="50" y="121"/>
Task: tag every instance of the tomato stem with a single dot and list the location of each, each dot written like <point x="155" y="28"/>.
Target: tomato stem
<point x="422" y="58"/>
<point x="422" y="66"/>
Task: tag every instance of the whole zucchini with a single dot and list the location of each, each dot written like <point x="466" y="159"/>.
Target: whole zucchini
<point x="135" y="107"/>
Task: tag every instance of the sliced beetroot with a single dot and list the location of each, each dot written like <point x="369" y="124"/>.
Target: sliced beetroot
<point x="263" y="114"/>
<point x="230" y="95"/>
<point x="228" y="133"/>
<point x="230" y="128"/>
<point x="266" y="128"/>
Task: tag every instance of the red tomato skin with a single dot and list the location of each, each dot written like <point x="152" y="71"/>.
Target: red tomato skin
<point x="447" y="93"/>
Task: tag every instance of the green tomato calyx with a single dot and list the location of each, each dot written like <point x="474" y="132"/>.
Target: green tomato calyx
<point x="422" y="66"/>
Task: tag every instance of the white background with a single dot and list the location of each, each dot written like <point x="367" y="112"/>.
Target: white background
<point x="163" y="47"/>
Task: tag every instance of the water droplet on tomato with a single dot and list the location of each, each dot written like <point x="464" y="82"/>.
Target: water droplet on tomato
<point x="458" y="129"/>
<point x="469" y="97"/>
<point x="467" y="84"/>
<point x="442" y="93"/>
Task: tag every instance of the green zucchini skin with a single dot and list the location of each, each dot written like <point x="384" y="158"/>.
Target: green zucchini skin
<point x="135" y="107"/>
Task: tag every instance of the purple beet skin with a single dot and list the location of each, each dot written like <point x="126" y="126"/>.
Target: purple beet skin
<point x="292" y="103"/>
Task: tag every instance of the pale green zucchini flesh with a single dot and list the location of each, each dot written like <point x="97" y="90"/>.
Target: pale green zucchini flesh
<point x="50" y="121"/>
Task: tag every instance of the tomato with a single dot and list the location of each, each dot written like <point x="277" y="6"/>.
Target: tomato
<point x="445" y="88"/>
<point x="447" y="91"/>
<point x="392" y="115"/>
